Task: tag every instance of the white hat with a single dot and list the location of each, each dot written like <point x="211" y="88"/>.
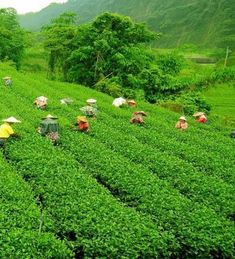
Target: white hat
<point x="183" y="118"/>
<point x="91" y="101"/>
<point x="6" y="77"/>
<point x="119" y="101"/>
<point x="197" y="114"/>
<point x="12" y="120"/>
<point x="42" y="98"/>
<point x="49" y="116"/>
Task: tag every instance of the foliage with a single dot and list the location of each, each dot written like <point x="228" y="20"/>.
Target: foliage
<point x="11" y="37"/>
<point x="110" y="47"/>
<point x="146" y="196"/>
<point x="193" y="101"/>
<point x="59" y="37"/>
<point x="171" y="63"/>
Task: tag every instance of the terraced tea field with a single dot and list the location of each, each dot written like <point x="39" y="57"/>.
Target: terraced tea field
<point x="122" y="191"/>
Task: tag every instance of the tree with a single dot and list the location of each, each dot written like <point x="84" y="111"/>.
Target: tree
<point x="111" y="46"/>
<point x="59" y="36"/>
<point x="11" y="37"/>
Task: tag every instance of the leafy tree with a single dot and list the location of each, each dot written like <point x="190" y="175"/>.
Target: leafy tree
<point x="111" y="46"/>
<point x="59" y="37"/>
<point x="11" y="36"/>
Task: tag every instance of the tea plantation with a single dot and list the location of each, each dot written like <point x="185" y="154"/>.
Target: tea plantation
<point x="122" y="191"/>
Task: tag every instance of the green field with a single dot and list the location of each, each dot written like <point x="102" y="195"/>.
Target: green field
<point x="122" y="191"/>
<point x="222" y="99"/>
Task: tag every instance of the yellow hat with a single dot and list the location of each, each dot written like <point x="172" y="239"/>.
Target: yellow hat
<point x="12" y="120"/>
<point x="82" y="118"/>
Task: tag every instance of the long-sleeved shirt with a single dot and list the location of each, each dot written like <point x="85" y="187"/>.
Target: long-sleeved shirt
<point x="181" y="125"/>
<point x="6" y="130"/>
<point x="48" y="126"/>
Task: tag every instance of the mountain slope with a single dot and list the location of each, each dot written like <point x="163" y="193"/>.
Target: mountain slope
<point x="202" y="22"/>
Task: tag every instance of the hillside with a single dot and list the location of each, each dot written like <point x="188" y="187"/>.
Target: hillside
<point x="201" y="22"/>
<point x="139" y="192"/>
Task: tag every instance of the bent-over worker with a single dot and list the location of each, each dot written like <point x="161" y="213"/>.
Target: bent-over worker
<point x="83" y="124"/>
<point x="49" y="127"/>
<point x="138" y="117"/>
<point x="41" y="102"/>
<point x="7" y="81"/>
<point x="89" y="111"/>
<point x="132" y="103"/>
<point x="66" y="101"/>
<point x="7" y="131"/>
<point x="92" y="103"/>
<point x="200" y="117"/>
<point x="182" y="123"/>
<point x="118" y="102"/>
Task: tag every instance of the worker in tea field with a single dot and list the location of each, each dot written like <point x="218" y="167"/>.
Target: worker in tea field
<point x="49" y="127"/>
<point x="182" y="123"/>
<point x="92" y="103"/>
<point x="41" y="102"/>
<point x="7" y="81"/>
<point x="118" y="102"/>
<point x="82" y="124"/>
<point x="132" y="103"/>
<point x="200" y="117"/>
<point x="66" y="101"/>
<point x="89" y="111"/>
<point x="138" y="117"/>
<point x="6" y="130"/>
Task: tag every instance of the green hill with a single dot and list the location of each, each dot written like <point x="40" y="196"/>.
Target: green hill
<point x="122" y="190"/>
<point x="201" y="22"/>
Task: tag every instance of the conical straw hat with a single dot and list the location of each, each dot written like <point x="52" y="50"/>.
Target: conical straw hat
<point x="49" y="116"/>
<point x="12" y="120"/>
<point x="197" y="114"/>
<point x="82" y="118"/>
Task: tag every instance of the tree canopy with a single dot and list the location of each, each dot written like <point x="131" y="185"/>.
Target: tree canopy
<point x="111" y="55"/>
<point x="11" y="36"/>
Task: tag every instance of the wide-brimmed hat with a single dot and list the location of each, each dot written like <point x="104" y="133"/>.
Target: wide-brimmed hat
<point x="12" y="120"/>
<point x="6" y="77"/>
<point x="197" y="114"/>
<point x="182" y="118"/>
<point x="82" y="118"/>
<point x="140" y="112"/>
<point x="49" y="116"/>
<point x="92" y="101"/>
<point x="42" y="98"/>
